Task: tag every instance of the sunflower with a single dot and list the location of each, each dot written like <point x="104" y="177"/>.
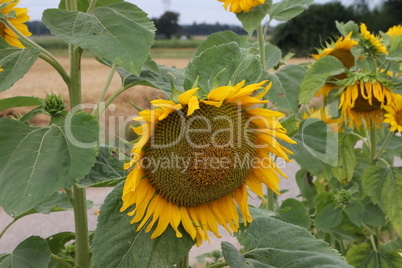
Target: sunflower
<point x="340" y="50"/>
<point x="237" y="6"/>
<point x="395" y="31"/>
<point x="196" y="157"/>
<point x="393" y="115"/>
<point x="17" y="21"/>
<point x="364" y="100"/>
<point x="372" y="42"/>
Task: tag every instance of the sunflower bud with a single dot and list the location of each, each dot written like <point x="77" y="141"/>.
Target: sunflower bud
<point x="53" y="105"/>
<point x="343" y="197"/>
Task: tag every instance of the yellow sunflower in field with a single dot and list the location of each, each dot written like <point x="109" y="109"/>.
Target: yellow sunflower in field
<point x="364" y="100"/>
<point x="395" y="31"/>
<point x="196" y="157"/>
<point x="340" y="50"/>
<point x="18" y="22"/>
<point x="237" y="6"/>
<point x="393" y="115"/>
<point x="373" y="43"/>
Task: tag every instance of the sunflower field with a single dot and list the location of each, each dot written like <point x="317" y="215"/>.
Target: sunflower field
<point x="210" y="146"/>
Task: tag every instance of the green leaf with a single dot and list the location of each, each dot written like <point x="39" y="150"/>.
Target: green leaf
<point x="57" y="241"/>
<point x="315" y="140"/>
<point x="222" y="65"/>
<point x="288" y="9"/>
<point x="329" y="217"/>
<point x="363" y="256"/>
<point x="252" y="20"/>
<point x="344" y="171"/>
<point x="16" y="63"/>
<point x="294" y="212"/>
<point x="306" y="186"/>
<point x="285" y="87"/>
<point x="395" y="49"/>
<point x="273" y="56"/>
<point x="354" y="211"/>
<point x="122" y="26"/>
<point x="217" y="39"/>
<point x="33" y="252"/>
<point x="281" y="244"/>
<point x="19" y="101"/>
<point x="131" y="248"/>
<point x="153" y="75"/>
<point x="345" y="28"/>
<point x="316" y="77"/>
<point x="84" y="4"/>
<point x="37" y="162"/>
<point x="232" y="256"/>
<point x="107" y="170"/>
<point x="373" y="215"/>
<point x="384" y="186"/>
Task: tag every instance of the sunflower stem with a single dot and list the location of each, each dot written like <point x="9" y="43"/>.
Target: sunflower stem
<point x="261" y="44"/>
<point x="45" y="55"/>
<point x="8" y="226"/>
<point x="92" y="5"/>
<point x="60" y="261"/>
<point x="184" y="262"/>
<point x="387" y="139"/>
<point x="105" y="89"/>
<point x="373" y="145"/>
<point x="271" y="199"/>
<point x="113" y="97"/>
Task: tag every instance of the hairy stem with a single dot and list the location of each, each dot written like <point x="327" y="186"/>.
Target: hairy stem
<point x="95" y="112"/>
<point x="261" y="44"/>
<point x="387" y="139"/>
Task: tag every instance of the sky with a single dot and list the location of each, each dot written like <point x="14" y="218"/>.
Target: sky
<point x="208" y="11"/>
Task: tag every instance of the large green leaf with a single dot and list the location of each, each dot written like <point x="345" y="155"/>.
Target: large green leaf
<point x="253" y="19"/>
<point x="19" y="101"/>
<point x="107" y="170"/>
<point x="30" y="253"/>
<point x="363" y="256"/>
<point x="293" y="211"/>
<point x="273" y="56"/>
<point x="316" y="149"/>
<point x="346" y="158"/>
<point x="217" y="39"/>
<point x="384" y="186"/>
<point x="15" y="63"/>
<point x="221" y="65"/>
<point x="232" y="256"/>
<point x="395" y="50"/>
<point x="316" y="77"/>
<point x="329" y="217"/>
<point x="37" y="162"/>
<point x="280" y="244"/>
<point x="84" y="4"/>
<point x="121" y="26"/>
<point x="286" y="86"/>
<point x="129" y="248"/>
<point x="288" y="9"/>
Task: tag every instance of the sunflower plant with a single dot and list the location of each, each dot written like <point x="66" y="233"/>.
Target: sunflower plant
<point x="355" y="200"/>
<point x="204" y="151"/>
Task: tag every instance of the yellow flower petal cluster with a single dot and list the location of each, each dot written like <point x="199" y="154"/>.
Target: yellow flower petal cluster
<point x="21" y="17"/>
<point x="237" y="6"/>
<point x="340" y="50"/>
<point x="198" y="180"/>
<point x="395" y="31"/>
<point x="393" y="115"/>
<point x="374" y="42"/>
<point x="364" y="100"/>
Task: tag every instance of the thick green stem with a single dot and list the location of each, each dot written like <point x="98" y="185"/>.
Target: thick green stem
<point x="271" y="200"/>
<point x="184" y="262"/>
<point x="373" y="145"/>
<point x="261" y="44"/>
<point x="8" y="226"/>
<point x="45" y="55"/>
<point x="75" y="77"/>
<point x="95" y="112"/>
<point x="60" y="261"/>
<point x="387" y="139"/>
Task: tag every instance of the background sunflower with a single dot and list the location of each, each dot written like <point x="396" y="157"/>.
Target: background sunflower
<point x="18" y="21"/>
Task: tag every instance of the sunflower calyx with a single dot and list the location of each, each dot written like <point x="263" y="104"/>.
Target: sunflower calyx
<point x="53" y="105"/>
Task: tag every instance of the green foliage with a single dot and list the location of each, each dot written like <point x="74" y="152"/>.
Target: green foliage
<point x="31" y="148"/>
<point x="115" y="25"/>
<point x="363" y="256"/>
<point x="288" y="9"/>
<point x="294" y="211"/>
<point x="253" y="19"/>
<point x="15" y="62"/>
<point x="30" y="253"/>
<point x="19" y="101"/>
<point x="131" y="248"/>
<point x="384" y="186"/>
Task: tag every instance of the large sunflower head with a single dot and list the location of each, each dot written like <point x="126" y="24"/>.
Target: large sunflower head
<point x="372" y="43"/>
<point x="197" y="157"/>
<point x="17" y="17"/>
<point x="395" y="31"/>
<point x="393" y="115"/>
<point x="340" y="50"/>
<point x="363" y="100"/>
<point x="237" y="6"/>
